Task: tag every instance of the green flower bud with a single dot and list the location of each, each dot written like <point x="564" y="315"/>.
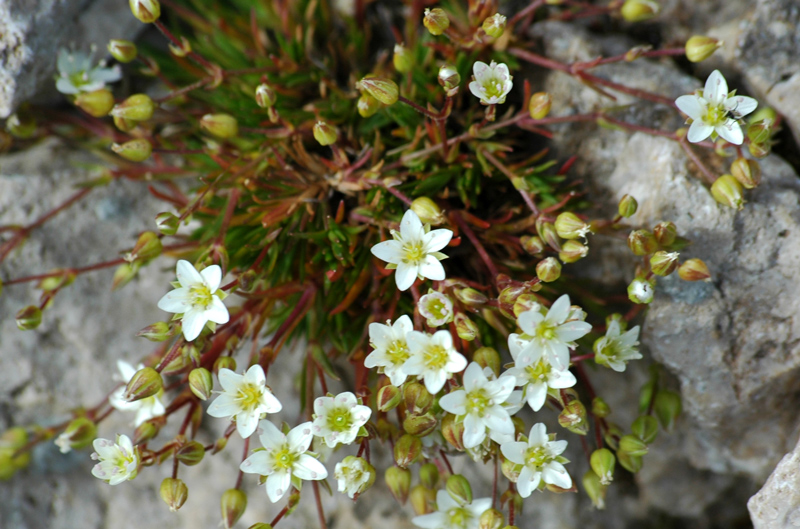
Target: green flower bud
<point x="265" y="96"/>
<point x="728" y="191"/>
<point x="524" y="303"/>
<point x="632" y="446"/>
<point x="760" y="150"/>
<point x="491" y="519"/>
<point x="640" y="291"/>
<point x="122" y="50"/>
<point x="407" y="450"/>
<point x="419" y="425"/>
<point x="388" y="398"/>
<point x="97" y="103"/>
<point x="548" y="269"/>
<point x="639" y="10"/>
<point x="453" y="431"/>
<point x="144" y="383"/>
<point x="570" y="226"/>
<point x="220" y="125"/>
<point x="573" y="418"/>
<point x="367" y="105"/>
<point x="138" y="107"/>
<point x="146" y="11"/>
<point x="760" y="130"/>
<point x="494" y="26"/>
<point x="137" y="150"/>
<point x="226" y="362"/>
<point x="174" y="492"/>
<point x="449" y="79"/>
<point x="436" y="21"/>
<point x="627" y="206"/>
<point x="665" y="233"/>
<point x="595" y="490"/>
<point x="429" y="475"/>
<point x="148" y="430"/>
<point x="399" y="482"/>
<point x="422" y="500"/>
<point x="532" y="245"/>
<point x="201" y="383"/>
<point x="603" y="462"/>
<point x="428" y="211"/>
<point x="190" y="453"/>
<point x="79" y="433"/>
<point x="629" y="462"/>
<point x="747" y="172"/>
<point x="547" y="231"/>
<point x="459" y="489"/>
<point x="384" y="90"/>
<point x="148" y="247"/>
<point x="667" y="408"/>
<point x="539" y="105"/>
<point x="642" y="242"/>
<point x="417" y="398"/>
<point x="600" y="408"/>
<point x="29" y="318"/>
<point x="700" y="48"/>
<point x="572" y="251"/>
<point x="167" y="223"/>
<point x="645" y="427"/>
<point x="465" y="327"/>
<point x="487" y="357"/>
<point x="21" y="125"/>
<point x="324" y="133"/>
<point x="470" y="296"/>
<point x="694" y="270"/>
<point x="61" y="279"/>
<point x="125" y="125"/>
<point x="232" y="504"/>
<point x="664" y="263"/>
<point x="260" y="525"/>
<point x="402" y="59"/>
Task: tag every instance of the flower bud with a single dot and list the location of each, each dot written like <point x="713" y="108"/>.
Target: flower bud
<point x="388" y="398"/>
<point x="167" y="223"/>
<point x="220" y="125"/>
<point x="428" y="211"/>
<point x="125" y="125"/>
<point x="642" y="242"/>
<point x="539" y="105"/>
<point x="61" y="278"/>
<point x="123" y="275"/>
<point x="600" y="408"/>
<point x="594" y="489"/>
<point x="265" y="96"/>
<point x="603" y="462"/>
<point x="429" y="475"/>
<point x="260" y="525"/>
<point x="572" y="251"/>
<point x="384" y="90"/>
<point x="190" y="453"/>
<point x="137" y="150"/>
<point x="21" y="125"/>
<point x="148" y="430"/>
<point x="138" y="107"/>
<point x="667" y="408"/>
<point x="419" y="425"/>
<point x="449" y="79"/>
<point x="573" y="418"/>
<point x="632" y="445"/>
<point x="146" y="11"/>
<point x="422" y="499"/>
<point x="465" y="327"/>
<point x="532" y="244"/>
<point x="728" y="191"/>
<point x="232" y="504"/>
<point x="436" y="21"/>
<point x="491" y="519"/>
<point x="664" y="263"/>
<point x="324" y="133"/>
<point x="524" y="303"/>
<point x="399" y="482"/>
<point x="629" y="462"/>
<point x="548" y="269"/>
<point x="640" y="291"/>
<point x="627" y="206"/>
<point x="144" y="383"/>
<point x="700" y="48"/>
<point x="494" y="26"/>
<point x="570" y="226"/>
<point x="367" y="105"/>
<point x="747" y="172"/>
<point x="645" y="427"/>
<point x="487" y="357"/>
<point x="639" y="10"/>
<point x="665" y="233"/>
<point x="547" y="231"/>
<point x="407" y="450"/>
<point x="226" y="362"/>
<point x="79" y="433"/>
<point x="174" y="492"/>
<point x="760" y="124"/>
<point x="694" y="270"/>
<point x="759" y="150"/>
<point x="459" y="489"/>
<point x="417" y="398"/>
<point x="29" y="318"/>
<point x="470" y="297"/>
<point x="453" y="431"/>
<point x="201" y="383"/>
<point x="148" y="247"/>
<point x="402" y="59"/>
<point x="122" y="50"/>
<point x="97" y="103"/>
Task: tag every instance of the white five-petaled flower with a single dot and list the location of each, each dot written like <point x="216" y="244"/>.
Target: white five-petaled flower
<point x="615" y="349"/>
<point x="414" y="251"/>
<point x="244" y="398"/>
<point x="714" y="110"/>
<point x="479" y="405"/>
<point x="492" y="82"/>
<point x="76" y="74"/>
<point x="118" y="461"/>
<point x="537" y="377"/>
<point x="338" y="419"/>
<point x="146" y="408"/>
<point x="433" y="358"/>
<point x="284" y="457"/>
<point x="436" y="308"/>
<point x="354" y="475"/>
<point x="540" y="459"/>
<point x="551" y="333"/>
<point x="197" y="298"/>
<point x="391" y="349"/>
<point x="453" y="515"/>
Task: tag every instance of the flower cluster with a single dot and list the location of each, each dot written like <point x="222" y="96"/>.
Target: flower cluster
<point x="76" y="73"/>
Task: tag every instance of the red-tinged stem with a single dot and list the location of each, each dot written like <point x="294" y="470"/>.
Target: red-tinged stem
<point x="494" y="483"/>
<point x="581" y="358"/>
<point x="511" y="176"/>
<point x="666" y="52"/>
<point x="511" y="505"/>
<point x="244" y="456"/>
<point x="446" y="462"/>
<point x="187" y="418"/>
<point x="709" y="176"/>
<point x="391" y="189"/>
<point x="477" y="244"/>
<point x="524" y="12"/>
<point x="641" y="94"/>
<point x="176" y="42"/>
<point x="279" y="516"/>
<point x="185" y="90"/>
<point x="320" y="510"/>
<point x="297" y="314"/>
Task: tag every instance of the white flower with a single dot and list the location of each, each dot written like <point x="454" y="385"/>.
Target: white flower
<point x="244" y="398"/>
<point x="118" y="461"/>
<point x="452" y="515"/>
<point x="338" y="419"/>
<point x="436" y="308"/>
<point x="354" y="475"/>
<point x="414" y="251"/>
<point x="391" y="349"/>
<point x="198" y="298"/>
<point x="479" y="405"/>
<point x="146" y="408"/>
<point x="492" y="82"/>
<point x="540" y="459"/>
<point x="549" y="332"/>
<point x="714" y="110"/>
<point x="615" y="349"/>
<point x="433" y="358"/>
<point x="76" y="75"/>
<point x="537" y="377"/>
<point x="284" y="457"/>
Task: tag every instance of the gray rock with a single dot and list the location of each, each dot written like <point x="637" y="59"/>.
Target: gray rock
<point x="777" y="504"/>
<point x="32" y="31"/>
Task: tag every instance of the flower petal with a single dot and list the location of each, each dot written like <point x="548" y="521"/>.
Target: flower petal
<point x="430" y="268"/>
<point x="731" y="132"/>
<point x="555" y="476"/>
<point x="308" y="468"/>
<point x="212" y="276"/>
<point x="187" y="274"/>
<point x="177" y="301"/>
<point x="271" y="437"/>
<point x="389" y="251"/>
<point x="559" y="310"/>
<point x="573" y="330"/>
<point x="473" y="377"/>
<point x="435" y="240"/>
<point x="193" y="322"/>
<point x="698" y="131"/>
<point x="741" y="105"/>
<point x="300" y="437"/>
<point x="405" y="275"/>
<point x="536" y="394"/>
<point x="514" y="452"/>
<point x="254" y="375"/>
<point x="716" y="89"/>
<point x="454" y="402"/>
<point x="434" y="381"/>
<point x="538" y="435"/>
<point x="257" y="463"/>
<point x="277" y="485"/>
<point x="224" y="406"/>
<point x="692" y="106"/>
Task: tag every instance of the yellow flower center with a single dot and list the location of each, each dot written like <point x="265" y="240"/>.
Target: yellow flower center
<point x="493" y="88"/>
<point x="436" y="308"/>
<point x="201" y="296"/>
<point x="716" y="115"/>
<point x="250" y="396"/>
<point x="546" y="331"/>
<point x="413" y="252"/>
<point x="435" y="357"/>
<point x="477" y="402"/>
<point x="458" y="517"/>
<point x="538" y="371"/>
<point x="284" y="459"/>
<point x="536" y="456"/>
<point x="340" y="420"/>
<point x="397" y="352"/>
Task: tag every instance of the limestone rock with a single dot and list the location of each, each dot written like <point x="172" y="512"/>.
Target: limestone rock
<point x="777" y="504"/>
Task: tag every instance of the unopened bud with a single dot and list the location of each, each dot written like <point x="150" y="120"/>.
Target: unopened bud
<point x="389" y="397"/>
<point x="174" y="492"/>
<point x="548" y="269"/>
<point x="428" y="211"/>
<point x="125" y="125"/>
<point x="700" y="48"/>
<point x="417" y="398"/>
<point x="137" y="150"/>
<point x="144" y="383"/>
<point x="759" y="150"/>
<point x="491" y="519"/>
<point x="29" y="318"/>
<point x="265" y="96"/>
<point x="524" y="303"/>
<point x="627" y="206"/>
<point x="640" y="291"/>
<point x="539" y="105"/>
<point x="167" y="223"/>
<point x="402" y="59"/>
<point x="465" y="327"/>
<point x="147" y="430"/>
<point x="407" y="450"/>
<point x="201" y="383"/>
<point x="146" y="11"/>
<point x="453" y="431"/>
<point x="122" y="50"/>
<point x="572" y="251"/>
<point x="645" y="427"/>
<point x="600" y="408"/>
<point x="664" y="263"/>
<point x="603" y="462"/>
<point x="220" y="125"/>
<point x="459" y="489"/>
<point x="79" y="433"/>
<point x="760" y="125"/>
<point x="487" y="357"/>
<point x="61" y="278"/>
<point x="98" y="103"/>
<point x="422" y="499"/>
<point x="728" y="191"/>
<point x="232" y="504"/>
<point x="547" y="231"/>
<point x="573" y="418"/>
<point x="665" y="233"/>
<point x="494" y="26"/>
<point x="224" y="362"/>
<point x="148" y="247"/>
<point x="138" y="107"/>
<point x="694" y="270"/>
<point x="632" y="445"/>
<point x="191" y="453"/>
<point x="21" y="125"/>
<point x="570" y="226"/>
<point x="594" y="489"/>
<point x="469" y="296"/>
<point x="399" y="482"/>
<point x="436" y="21"/>
<point x="384" y="90"/>
<point x="419" y="425"/>
<point x="367" y="105"/>
<point x="449" y="79"/>
<point x="429" y="475"/>
<point x="639" y="10"/>
<point x="630" y="463"/>
<point x="642" y="242"/>
<point x="747" y="172"/>
<point x="667" y="408"/>
<point x="324" y="133"/>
